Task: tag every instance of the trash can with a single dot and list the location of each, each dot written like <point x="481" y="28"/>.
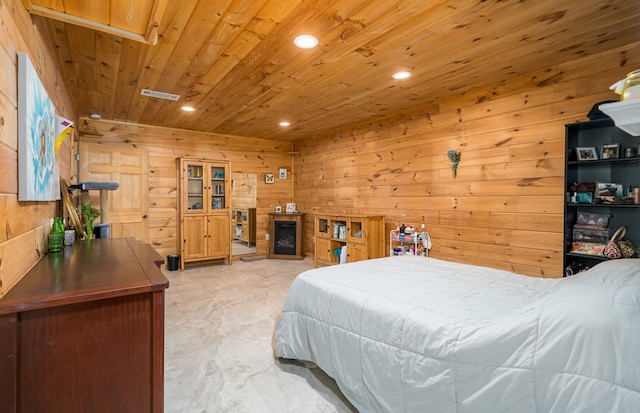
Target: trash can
<point x="173" y="262"/>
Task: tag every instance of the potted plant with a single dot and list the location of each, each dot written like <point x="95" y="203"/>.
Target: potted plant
<point x="89" y="213"/>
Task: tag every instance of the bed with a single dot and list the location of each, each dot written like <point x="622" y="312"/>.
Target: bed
<point x="416" y="334"/>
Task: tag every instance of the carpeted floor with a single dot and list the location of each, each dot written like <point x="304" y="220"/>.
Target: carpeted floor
<point x="218" y="355"/>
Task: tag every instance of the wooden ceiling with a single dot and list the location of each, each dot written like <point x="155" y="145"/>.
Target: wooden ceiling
<point x="137" y="20"/>
<point x="234" y="61"/>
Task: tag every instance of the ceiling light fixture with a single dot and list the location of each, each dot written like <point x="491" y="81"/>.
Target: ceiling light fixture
<point x="188" y="108"/>
<point x="285" y="123"/>
<point x="305" y="41"/>
<point x="401" y="75"/>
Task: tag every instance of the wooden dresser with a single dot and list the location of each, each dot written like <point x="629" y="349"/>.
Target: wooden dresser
<point x="83" y="331"/>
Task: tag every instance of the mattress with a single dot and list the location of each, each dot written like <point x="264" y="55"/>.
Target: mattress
<point x="416" y="334"/>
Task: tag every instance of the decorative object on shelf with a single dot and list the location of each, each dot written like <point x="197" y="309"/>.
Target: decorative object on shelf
<point x="454" y="157"/>
<point x="69" y="237"/>
<point x="611" y="151"/>
<point x="89" y="214"/>
<point x="71" y="209"/>
<point x="56" y="236"/>
<point x="627" y="248"/>
<point x="589" y="218"/>
<point x="608" y="191"/>
<point x="278" y="209"/>
<point x="630" y="152"/>
<point x="587" y="153"/>
<point x="290" y="207"/>
<point x="584" y="197"/>
<point x="588" y="248"/>
<point x="269" y="178"/>
<point x="612" y="250"/>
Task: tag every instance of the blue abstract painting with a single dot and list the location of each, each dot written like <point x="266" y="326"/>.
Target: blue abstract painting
<point x="38" y="177"/>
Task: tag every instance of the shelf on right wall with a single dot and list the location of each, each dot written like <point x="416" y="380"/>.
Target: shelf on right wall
<point x="591" y="136"/>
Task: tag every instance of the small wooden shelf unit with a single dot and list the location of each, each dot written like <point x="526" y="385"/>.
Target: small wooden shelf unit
<point x="362" y="235"/>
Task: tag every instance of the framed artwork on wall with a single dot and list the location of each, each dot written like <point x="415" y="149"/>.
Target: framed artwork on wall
<point x="283" y="173"/>
<point x="38" y="176"/>
<point x="269" y="178"/>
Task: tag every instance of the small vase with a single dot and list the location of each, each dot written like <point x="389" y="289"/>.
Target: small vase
<point x="90" y="231"/>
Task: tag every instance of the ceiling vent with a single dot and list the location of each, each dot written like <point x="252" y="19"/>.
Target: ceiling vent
<point x="159" y="95"/>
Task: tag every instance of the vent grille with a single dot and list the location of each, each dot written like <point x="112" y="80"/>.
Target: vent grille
<point x="159" y="95"/>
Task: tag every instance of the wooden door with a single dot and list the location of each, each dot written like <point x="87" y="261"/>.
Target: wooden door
<point x="194" y="238"/>
<point x="128" y="206"/>
<point x="219" y="236"/>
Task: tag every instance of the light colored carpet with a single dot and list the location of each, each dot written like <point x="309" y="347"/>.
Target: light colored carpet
<point x="218" y="355"/>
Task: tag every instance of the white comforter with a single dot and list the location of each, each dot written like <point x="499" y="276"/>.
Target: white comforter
<point x="415" y="334"/>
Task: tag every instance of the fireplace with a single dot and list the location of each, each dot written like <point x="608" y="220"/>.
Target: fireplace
<point x="285" y="236"/>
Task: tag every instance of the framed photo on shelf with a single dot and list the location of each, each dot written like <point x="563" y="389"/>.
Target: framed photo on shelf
<point x="278" y="209"/>
<point x="611" y="151"/>
<point x="587" y="153"/>
<point x="269" y="178"/>
<point x="608" y="190"/>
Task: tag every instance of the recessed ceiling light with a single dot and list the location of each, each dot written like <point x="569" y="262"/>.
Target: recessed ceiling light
<point x="285" y="123"/>
<point x="401" y="75"/>
<point x="188" y="108"/>
<point x="306" y="41"/>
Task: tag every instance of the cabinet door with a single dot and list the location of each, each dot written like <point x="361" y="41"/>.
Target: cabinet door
<point x="323" y="227"/>
<point x="356" y="252"/>
<point x="217" y="187"/>
<point x="195" y="237"/>
<point x="324" y="253"/>
<point x="218" y="236"/>
<point x="355" y="230"/>
<point x="193" y="179"/>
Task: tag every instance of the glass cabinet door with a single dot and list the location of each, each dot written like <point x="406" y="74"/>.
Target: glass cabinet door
<point x="323" y="227"/>
<point x="217" y="188"/>
<point x="355" y="233"/>
<point x="195" y="187"/>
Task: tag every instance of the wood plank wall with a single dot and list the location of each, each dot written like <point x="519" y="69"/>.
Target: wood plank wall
<point x="164" y="145"/>
<point x="24" y="225"/>
<point x="505" y="208"/>
<point x="244" y="190"/>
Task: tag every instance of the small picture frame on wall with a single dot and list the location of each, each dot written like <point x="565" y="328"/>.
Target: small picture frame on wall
<point x="269" y="179"/>
<point x="283" y="173"/>
<point x="587" y="153"/>
<point x="611" y="151"/>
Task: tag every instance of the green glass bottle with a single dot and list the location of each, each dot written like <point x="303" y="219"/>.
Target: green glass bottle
<point x="56" y="236"/>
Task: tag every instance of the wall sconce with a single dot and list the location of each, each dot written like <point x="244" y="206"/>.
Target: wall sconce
<point x="454" y="156"/>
